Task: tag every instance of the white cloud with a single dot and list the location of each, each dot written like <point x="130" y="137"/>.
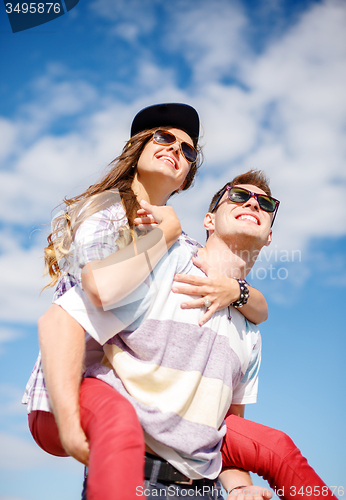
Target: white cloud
<point x="131" y="18"/>
<point x="289" y="121"/>
<point x="21" y="273"/>
<point x="210" y="36"/>
<point x="8" y="134"/>
<point x="17" y="453"/>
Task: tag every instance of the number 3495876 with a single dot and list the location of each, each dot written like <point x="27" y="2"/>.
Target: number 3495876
<point x="33" y="8"/>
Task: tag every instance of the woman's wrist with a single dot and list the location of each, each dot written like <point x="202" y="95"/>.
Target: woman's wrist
<point x="244" y="293"/>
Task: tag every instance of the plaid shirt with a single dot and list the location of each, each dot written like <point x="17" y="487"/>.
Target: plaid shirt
<point x="95" y="239"/>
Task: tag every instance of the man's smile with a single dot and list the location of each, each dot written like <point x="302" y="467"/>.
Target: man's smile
<point x="249" y="217"/>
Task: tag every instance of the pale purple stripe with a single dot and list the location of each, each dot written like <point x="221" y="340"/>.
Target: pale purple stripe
<point x="183" y="346"/>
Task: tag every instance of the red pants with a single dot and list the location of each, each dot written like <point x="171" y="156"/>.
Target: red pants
<point x="117" y="448"/>
<point x="116" y="461"/>
<point x="273" y="455"/>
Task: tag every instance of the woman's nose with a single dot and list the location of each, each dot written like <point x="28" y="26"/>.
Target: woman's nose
<point x="174" y="147"/>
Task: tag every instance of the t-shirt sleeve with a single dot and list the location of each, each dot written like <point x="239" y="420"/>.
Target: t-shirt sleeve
<point x="100" y="324"/>
<point x="246" y="390"/>
<point x="96" y="238"/>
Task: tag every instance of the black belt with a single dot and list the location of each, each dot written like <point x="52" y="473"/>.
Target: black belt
<point x="169" y="474"/>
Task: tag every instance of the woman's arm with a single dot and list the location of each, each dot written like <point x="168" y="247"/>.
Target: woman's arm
<point x="221" y="291"/>
<point x="109" y="280"/>
<point x="62" y="342"/>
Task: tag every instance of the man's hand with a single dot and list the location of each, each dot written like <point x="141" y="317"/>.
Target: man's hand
<point x="250" y="492"/>
<point x="75" y="442"/>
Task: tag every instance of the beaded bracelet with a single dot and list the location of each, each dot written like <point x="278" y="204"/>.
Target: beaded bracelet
<point x="244" y="293"/>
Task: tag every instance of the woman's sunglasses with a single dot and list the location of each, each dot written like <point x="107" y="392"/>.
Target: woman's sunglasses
<point x="242" y="195"/>
<point x="165" y="138"/>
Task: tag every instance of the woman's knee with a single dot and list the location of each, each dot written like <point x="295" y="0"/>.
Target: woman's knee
<point x="283" y="444"/>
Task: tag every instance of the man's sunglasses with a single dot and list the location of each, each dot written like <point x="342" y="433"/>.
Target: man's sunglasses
<point x="165" y="138"/>
<point x="242" y="195"/>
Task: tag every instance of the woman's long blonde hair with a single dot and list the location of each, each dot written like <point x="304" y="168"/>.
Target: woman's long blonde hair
<point x="118" y="180"/>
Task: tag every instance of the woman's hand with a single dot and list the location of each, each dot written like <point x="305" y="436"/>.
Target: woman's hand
<point x="162" y="217"/>
<point x="217" y="288"/>
<point x="153" y="215"/>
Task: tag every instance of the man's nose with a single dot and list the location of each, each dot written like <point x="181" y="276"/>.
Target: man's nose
<point x="252" y="202"/>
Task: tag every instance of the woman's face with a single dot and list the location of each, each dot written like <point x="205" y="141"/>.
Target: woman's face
<point x="165" y="164"/>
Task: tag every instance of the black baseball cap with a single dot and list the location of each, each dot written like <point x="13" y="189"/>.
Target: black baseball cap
<point x="175" y="115"/>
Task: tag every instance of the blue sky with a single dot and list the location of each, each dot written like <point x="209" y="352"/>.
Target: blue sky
<point x="268" y="79"/>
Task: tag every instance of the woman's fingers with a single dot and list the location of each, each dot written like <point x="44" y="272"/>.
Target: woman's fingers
<point x="191" y="290"/>
<point x="202" y="265"/>
<point x="191" y="280"/>
<point x="193" y="304"/>
<point x="207" y="315"/>
<point x="145" y="220"/>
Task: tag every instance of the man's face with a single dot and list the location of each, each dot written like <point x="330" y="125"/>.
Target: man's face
<point x="241" y="219"/>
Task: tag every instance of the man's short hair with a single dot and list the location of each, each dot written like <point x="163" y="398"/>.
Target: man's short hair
<point x="255" y="177"/>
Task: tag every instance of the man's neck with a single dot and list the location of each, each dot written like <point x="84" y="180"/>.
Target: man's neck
<point x="231" y="258"/>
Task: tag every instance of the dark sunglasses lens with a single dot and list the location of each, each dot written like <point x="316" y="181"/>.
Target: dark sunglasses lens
<point x="164" y="138"/>
<point x="238" y="195"/>
<point x="266" y="203"/>
<point x="189" y="152"/>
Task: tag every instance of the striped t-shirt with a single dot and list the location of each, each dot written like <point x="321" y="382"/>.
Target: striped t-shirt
<point x="180" y="377"/>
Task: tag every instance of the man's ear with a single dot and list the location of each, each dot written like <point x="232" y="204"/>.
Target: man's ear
<point x="269" y="240"/>
<point x="209" y="222"/>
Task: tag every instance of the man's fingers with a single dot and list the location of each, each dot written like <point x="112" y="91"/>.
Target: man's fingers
<point x="81" y="454"/>
<point x="77" y="446"/>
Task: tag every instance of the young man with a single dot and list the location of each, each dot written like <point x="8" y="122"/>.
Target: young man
<point x="183" y="379"/>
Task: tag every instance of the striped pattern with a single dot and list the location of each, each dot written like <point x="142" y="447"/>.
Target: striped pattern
<point x="180" y="378"/>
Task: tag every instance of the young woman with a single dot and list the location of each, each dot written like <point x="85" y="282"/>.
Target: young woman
<point x="94" y="234"/>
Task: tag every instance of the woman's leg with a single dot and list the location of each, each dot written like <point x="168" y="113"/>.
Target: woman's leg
<point x="116" y="460"/>
<point x="272" y="454"/>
